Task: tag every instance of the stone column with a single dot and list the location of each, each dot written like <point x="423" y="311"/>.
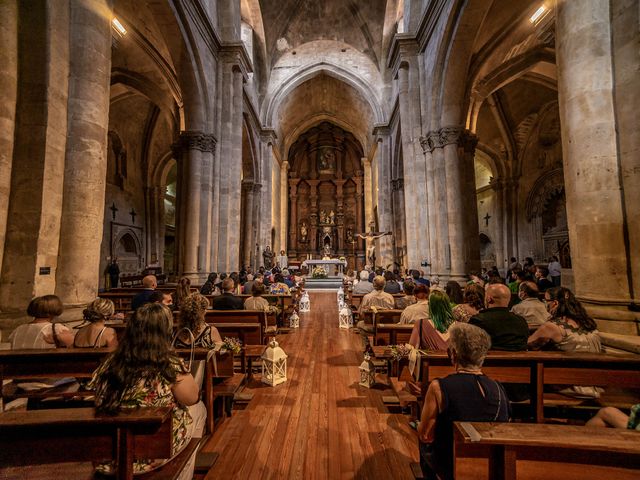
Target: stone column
<point x="266" y="220"/>
<point x="500" y="227"/>
<point x="360" y="227"/>
<point x="284" y="204"/>
<point x="192" y="146"/>
<point x="259" y="216"/>
<point x="431" y="204"/>
<point x="8" y="99"/>
<point x="413" y="227"/>
<point x="368" y="191"/>
<point x="86" y="152"/>
<point x="604" y="264"/>
<point x="441" y="256"/>
<point x="293" y="225"/>
<point x="36" y="179"/>
<point x="466" y="151"/>
<point x="233" y="220"/>
<point x="247" y="215"/>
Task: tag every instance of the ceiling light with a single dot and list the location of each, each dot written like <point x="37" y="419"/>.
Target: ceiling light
<point x="537" y="14"/>
<point x="118" y="26"/>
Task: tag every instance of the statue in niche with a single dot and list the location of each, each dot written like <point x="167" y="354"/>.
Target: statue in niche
<point x="332" y="217"/>
<point x="304" y="232"/>
<point x="267" y="257"/>
<point x="349" y="235"/>
<point x="324" y="218"/>
<point x="326" y="251"/>
<point x="327" y="160"/>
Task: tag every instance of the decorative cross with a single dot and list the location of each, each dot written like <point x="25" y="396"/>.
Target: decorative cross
<point x="113" y="209"/>
<point x="486" y="219"/>
<point x="133" y="215"/>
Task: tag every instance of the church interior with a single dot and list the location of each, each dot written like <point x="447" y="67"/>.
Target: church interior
<point x="306" y="142"/>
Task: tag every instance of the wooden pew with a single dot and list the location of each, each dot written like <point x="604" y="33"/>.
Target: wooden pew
<point x="82" y="435"/>
<point x="506" y="443"/>
<point x="238" y="317"/>
<point x="82" y="362"/>
<point x="392" y="333"/>
<point x="546" y="368"/>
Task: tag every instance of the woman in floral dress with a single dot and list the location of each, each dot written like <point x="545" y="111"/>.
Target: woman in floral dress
<point x="144" y="372"/>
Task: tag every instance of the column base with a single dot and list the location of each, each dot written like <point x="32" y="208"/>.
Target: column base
<point x="617" y="319"/>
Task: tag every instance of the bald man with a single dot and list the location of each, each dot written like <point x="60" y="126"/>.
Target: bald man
<point x="508" y="331"/>
<point x="149" y="283"/>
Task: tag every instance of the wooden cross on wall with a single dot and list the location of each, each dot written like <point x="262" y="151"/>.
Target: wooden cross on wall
<point x="133" y="215"/>
<point x="113" y="209"/>
<point x="486" y="219"/>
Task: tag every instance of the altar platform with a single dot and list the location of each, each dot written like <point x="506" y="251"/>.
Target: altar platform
<point x="333" y="266"/>
<point x="331" y="283"/>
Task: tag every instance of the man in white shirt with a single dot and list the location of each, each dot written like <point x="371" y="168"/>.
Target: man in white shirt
<point x="555" y="270"/>
<point x="364" y="285"/>
<point x="377" y="298"/>
<point x="530" y="308"/>
<point x="418" y="310"/>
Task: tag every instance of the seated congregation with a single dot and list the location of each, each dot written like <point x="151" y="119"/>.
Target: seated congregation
<point x="528" y="315"/>
<point x="145" y="357"/>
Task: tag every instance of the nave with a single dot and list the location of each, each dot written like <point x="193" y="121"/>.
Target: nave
<point x="321" y="424"/>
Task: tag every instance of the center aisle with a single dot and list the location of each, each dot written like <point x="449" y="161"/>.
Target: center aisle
<point x="320" y="423"/>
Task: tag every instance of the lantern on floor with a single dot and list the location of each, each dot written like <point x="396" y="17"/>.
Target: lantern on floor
<point x="294" y="320"/>
<point x="274" y="364"/>
<point x="305" y="303"/>
<point x="340" y="295"/>
<point x="367" y="372"/>
<point x="345" y="318"/>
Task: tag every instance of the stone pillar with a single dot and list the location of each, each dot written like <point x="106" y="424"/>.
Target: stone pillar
<point x="259" y="216"/>
<point x="500" y="227"/>
<point x="467" y="151"/>
<point x="604" y="264"/>
<point x="235" y="165"/>
<point x="413" y="227"/>
<point x="86" y="152"/>
<point x="192" y="146"/>
<point x="36" y="179"/>
<point x="284" y="204"/>
<point x="441" y="255"/>
<point x="8" y="99"/>
<point x="360" y="227"/>
<point x="247" y="215"/>
<point x="293" y="226"/>
<point x="265" y="196"/>
<point x="368" y="191"/>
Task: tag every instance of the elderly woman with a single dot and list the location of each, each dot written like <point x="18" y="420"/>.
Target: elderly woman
<point x="467" y="395"/>
<point x="97" y="334"/>
<point x="256" y="301"/>
<point x="192" y="312"/>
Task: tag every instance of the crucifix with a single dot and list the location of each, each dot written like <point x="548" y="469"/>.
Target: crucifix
<point x="113" y="209"/>
<point x="371" y="236"/>
<point x="133" y="215"/>
<point x="486" y="219"/>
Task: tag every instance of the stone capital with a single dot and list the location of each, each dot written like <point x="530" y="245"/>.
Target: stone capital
<point x="451" y="135"/>
<point x="496" y="183"/>
<point x="397" y="185"/>
<point x="235" y="54"/>
<point x="194" y="140"/>
<point x="268" y="136"/>
<point x="434" y="140"/>
<point x="257" y="187"/>
<point x="468" y="141"/>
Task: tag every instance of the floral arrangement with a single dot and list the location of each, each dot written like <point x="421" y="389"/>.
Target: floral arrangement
<point x="232" y="344"/>
<point x="319" y="272"/>
<point x="398" y="352"/>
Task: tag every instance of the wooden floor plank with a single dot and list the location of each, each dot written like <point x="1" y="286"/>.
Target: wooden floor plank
<point x="321" y="423"/>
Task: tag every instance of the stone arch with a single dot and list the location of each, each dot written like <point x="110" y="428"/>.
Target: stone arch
<point x="126" y="246"/>
<point x="544" y="189"/>
<point x="273" y="100"/>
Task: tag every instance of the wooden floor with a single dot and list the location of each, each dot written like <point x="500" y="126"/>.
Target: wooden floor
<point x="320" y="423"/>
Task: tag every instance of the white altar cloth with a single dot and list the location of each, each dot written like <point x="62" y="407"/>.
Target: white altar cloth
<point x="329" y="265"/>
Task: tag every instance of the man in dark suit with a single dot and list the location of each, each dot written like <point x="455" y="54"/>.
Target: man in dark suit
<point x="149" y="283"/>
<point x="507" y="330"/>
<point x="228" y="301"/>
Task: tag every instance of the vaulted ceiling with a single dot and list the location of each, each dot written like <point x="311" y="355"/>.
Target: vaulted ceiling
<point x="291" y="23"/>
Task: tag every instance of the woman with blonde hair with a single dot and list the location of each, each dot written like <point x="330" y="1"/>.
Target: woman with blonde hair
<point x="97" y="334"/>
<point x="192" y="312"/>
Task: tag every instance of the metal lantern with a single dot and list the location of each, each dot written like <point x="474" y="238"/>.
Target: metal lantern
<point x="346" y="320"/>
<point x="305" y="303"/>
<point x="340" y="295"/>
<point x="367" y="372"/>
<point x="274" y="364"/>
<point x="294" y="320"/>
